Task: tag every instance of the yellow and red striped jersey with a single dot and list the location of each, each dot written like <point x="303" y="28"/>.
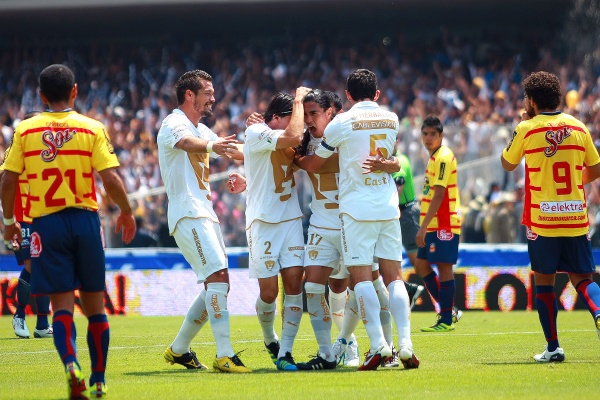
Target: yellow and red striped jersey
<point x="58" y="151"/>
<point x="441" y="171"/>
<point x="556" y="146"/>
<point x="22" y="205"/>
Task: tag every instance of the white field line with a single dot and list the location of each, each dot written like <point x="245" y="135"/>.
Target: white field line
<point x="82" y="344"/>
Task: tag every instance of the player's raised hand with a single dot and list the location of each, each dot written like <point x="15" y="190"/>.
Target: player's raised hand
<point x="301" y="92"/>
<point x="236" y="183"/>
<point x="126" y="223"/>
<point x="254" y="118"/>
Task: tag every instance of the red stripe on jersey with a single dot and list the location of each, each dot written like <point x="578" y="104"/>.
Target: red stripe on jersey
<point x="555" y="226"/>
<point x="552" y="128"/>
<point x="560" y="148"/>
<point x="31" y="176"/>
<point x="48" y="128"/>
<point x="535" y="188"/>
<point x="61" y="152"/>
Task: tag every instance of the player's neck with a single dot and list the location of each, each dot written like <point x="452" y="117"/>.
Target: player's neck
<point x="61" y="106"/>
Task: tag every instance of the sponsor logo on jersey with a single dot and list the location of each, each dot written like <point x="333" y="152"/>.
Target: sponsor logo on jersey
<point x="55" y="141"/>
<point x="554" y="138"/>
<point x="559" y="207"/>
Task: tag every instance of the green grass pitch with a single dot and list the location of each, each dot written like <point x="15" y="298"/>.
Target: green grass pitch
<point x="488" y="356"/>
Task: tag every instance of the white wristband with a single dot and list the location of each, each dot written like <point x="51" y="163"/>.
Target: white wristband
<point x="9" y="221"/>
<point x="209" y="146"/>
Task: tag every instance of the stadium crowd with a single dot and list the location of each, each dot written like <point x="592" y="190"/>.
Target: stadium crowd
<point x="472" y="85"/>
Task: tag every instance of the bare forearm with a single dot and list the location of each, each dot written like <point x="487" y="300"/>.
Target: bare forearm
<point x="115" y="189"/>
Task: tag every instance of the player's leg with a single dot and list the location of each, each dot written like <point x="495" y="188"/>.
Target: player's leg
<point x="338" y="291"/>
<point x="264" y="244"/>
<point x="23" y="284"/>
<point x="23" y="290"/>
<point x="55" y="272"/>
<point x="409" y="226"/>
<point x="545" y="256"/>
<point x="291" y="259"/>
<point x="90" y="270"/>
<point x="320" y="317"/>
<point x="180" y="352"/>
<point x="581" y="277"/>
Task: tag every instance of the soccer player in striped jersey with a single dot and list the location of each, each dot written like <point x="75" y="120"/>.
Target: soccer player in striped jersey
<point x="42" y="326"/>
<point x="560" y="157"/>
<point x="439" y="233"/>
<point x="59" y="151"/>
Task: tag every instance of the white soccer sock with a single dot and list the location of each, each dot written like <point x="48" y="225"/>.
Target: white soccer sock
<point x="369" y="307"/>
<point x="266" y="319"/>
<point x="384" y="314"/>
<point x="400" y="309"/>
<point x="337" y="303"/>
<point x="320" y="317"/>
<point x="291" y="316"/>
<point x="194" y="320"/>
<point x="216" y="305"/>
<point x="351" y="317"/>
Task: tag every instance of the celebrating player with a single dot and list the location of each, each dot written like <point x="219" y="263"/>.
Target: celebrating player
<point x="184" y="145"/>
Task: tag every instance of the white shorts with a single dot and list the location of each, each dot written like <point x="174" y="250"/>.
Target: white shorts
<point x="273" y="247"/>
<point x="361" y="240"/>
<point x="324" y="248"/>
<point x="201" y="243"/>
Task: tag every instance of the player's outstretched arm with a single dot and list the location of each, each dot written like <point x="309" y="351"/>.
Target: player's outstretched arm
<point x="380" y="163"/>
<point x="116" y="191"/>
<point x="222" y="146"/>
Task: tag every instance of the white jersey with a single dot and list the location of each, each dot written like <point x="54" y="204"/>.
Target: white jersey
<point x="185" y="175"/>
<point x="325" y="205"/>
<point x="271" y="190"/>
<point x="357" y="134"/>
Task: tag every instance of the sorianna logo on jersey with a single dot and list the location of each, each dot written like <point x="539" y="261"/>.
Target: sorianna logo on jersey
<point x="55" y="141"/>
<point x="554" y="138"/>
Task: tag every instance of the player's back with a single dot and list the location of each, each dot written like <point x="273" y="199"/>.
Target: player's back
<point x="364" y="129"/>
<point x="60" y="151"/>
<point x="556" y="147"/>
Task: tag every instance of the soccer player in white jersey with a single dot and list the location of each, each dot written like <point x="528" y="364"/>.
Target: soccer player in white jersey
<point x="273" y="220"/>
<point x="322" y="257"/>
<point x="369" y="213"/>
<point x="184" y="147"/>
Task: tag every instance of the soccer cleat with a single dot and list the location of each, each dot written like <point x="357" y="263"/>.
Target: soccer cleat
<point x="557" y="355"/>
<point x="273" y="351"/>
<point x="438" y="327"/>
<point x="414" y="291"/>
<point x="286" y="363"/>
<point x="43" y="333"/>
<point x="318" y="363"/>
<point x="20" y="327"/>
<point x="97" y="390"/>
<point x="75" y="381"/>
<point x="351" y="357"/>
<point x="408" y="358"/>
<point x="456" y="315"/>
<point x="230" y="364"/>
<point x="188" y="360"/>
<point x="375" y="358"/>
<point x="597" y="322"/>
<point x="393" y="361"/>
<point x="339" y="350"/>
